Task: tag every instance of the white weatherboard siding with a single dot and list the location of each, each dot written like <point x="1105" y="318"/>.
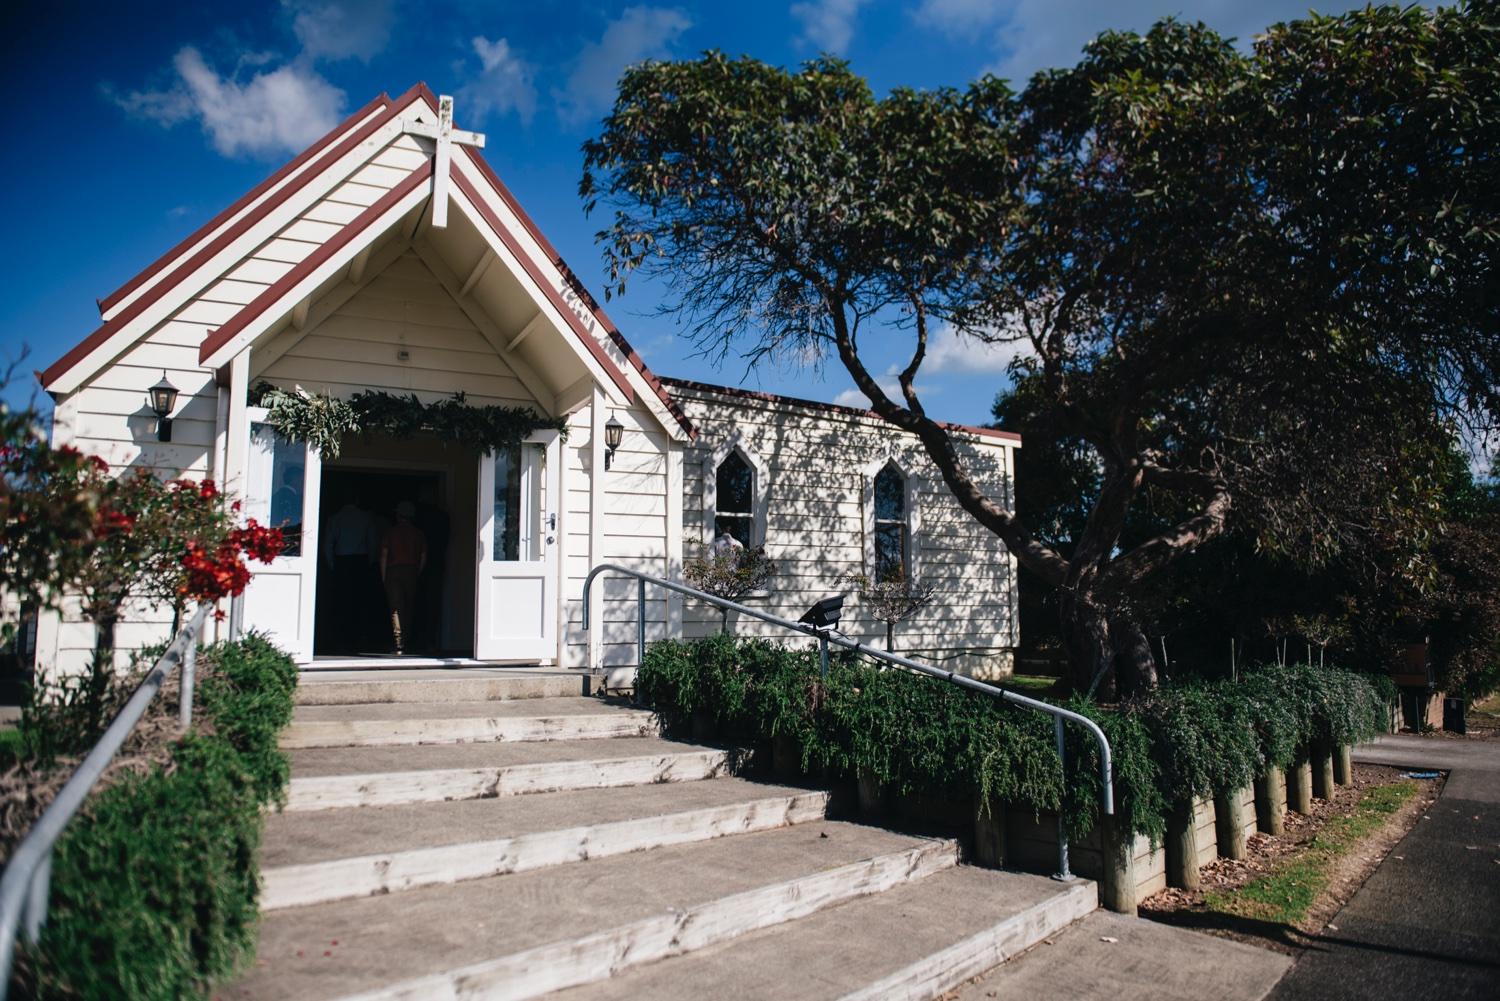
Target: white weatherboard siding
<point x="816" y="460"/>
<point x="632" y="532"/>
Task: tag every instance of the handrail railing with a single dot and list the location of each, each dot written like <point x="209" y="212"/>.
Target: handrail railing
<point x="824" y="637"/>
<point x="27" y="880"/>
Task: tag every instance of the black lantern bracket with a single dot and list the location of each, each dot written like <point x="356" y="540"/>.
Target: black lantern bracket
<point x="163" y="397"/>
<point x="614" y="433"/>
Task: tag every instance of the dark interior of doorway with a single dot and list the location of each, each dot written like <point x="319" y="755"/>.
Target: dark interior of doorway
<point x="352" y="618"/>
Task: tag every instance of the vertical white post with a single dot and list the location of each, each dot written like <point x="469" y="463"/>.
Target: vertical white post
<point x="597" y="418"/>
<point x="441" y="162"/>
<point x="676" y="455"/>
<point x="237" y="452"/>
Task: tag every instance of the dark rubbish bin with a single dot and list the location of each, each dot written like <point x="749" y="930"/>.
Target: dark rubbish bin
<point x="1453" y="716"/>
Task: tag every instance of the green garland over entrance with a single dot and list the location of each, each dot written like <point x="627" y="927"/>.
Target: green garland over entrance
<point x="323" y="421"/>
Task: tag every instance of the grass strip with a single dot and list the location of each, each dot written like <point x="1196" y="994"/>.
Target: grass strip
<point x="1028" y="682"/>
<point x="1285" y="895"/>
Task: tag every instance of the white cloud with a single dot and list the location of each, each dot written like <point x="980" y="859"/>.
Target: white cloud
<point x="638" y="33"/>
<point x="947" y="351"/>
<point x="1029" y="35"/>
<point x="956" y="17"/>
<point x="341" y="29"/>
<point x="827" y="24"/>
<point x="507" y="82"/>
<point x="276" y="111"/>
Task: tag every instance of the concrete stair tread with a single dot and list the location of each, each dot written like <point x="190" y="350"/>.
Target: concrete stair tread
<point x="848" y="949"/>
<point x="437" y="685"/>
<point x="298" y="838"/>
<point x="318" y="761"/>
<point x="318" y="675"/>
<point x="386" y="939"/>
<point x="477" y="709"/>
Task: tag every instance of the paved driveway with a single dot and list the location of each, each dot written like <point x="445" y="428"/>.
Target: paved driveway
<point x="1427" y="923"/>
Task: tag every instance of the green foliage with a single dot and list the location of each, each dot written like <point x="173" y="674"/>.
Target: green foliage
<point x="155" y="884"/>
<point x="920" y="734"/>
<point x="324" y="420"/>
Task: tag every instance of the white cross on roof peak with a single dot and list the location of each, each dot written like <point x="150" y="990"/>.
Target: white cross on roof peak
<point x="445" y="135"/>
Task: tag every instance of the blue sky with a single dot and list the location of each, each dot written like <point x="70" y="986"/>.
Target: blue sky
<point x="135" y="122"/>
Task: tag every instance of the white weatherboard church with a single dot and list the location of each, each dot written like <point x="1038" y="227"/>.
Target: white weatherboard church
<point x="389" y="256"/>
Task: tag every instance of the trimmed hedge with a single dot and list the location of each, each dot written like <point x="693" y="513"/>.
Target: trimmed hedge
<point x="155" y="885"/>
<point x="920" y="734"/>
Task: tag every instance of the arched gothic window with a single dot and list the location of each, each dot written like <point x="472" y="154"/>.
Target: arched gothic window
<point x="734" y="498"/>
<point x="892" y="534"/>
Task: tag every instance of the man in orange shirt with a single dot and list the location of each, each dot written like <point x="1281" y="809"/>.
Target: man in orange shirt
<point x="403" y="554"/>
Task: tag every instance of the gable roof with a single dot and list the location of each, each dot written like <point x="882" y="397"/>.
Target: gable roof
<point x="169" y="271"/>
<point x="837" y="408"/>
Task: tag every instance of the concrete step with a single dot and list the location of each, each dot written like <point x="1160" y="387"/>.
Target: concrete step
<point x="375" y="776"/>
<point x="313" y="856"/>
<point x="373" y="724"/>
<point x="915" y="941"/>
<point x="327" y="688"/>
<point x="537" y="931"/>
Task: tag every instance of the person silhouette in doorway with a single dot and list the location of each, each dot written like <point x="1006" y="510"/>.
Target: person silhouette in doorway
<point x="403" y="555"/>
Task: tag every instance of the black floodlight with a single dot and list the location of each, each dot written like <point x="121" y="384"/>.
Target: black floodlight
<point x="825" y="614"/>
<point x="163" y="399"/>
<point x="614" y="433"/>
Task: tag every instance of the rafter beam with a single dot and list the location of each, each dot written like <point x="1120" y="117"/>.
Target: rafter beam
<point x="537" y="322"/>
<point x="299" y="313"/>
<point x="485" y="260"/>
<point x="358" y="265"/>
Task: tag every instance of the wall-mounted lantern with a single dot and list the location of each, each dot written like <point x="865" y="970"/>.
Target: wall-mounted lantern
<point x="614" y="433"/>
<point x="163" y="399"/>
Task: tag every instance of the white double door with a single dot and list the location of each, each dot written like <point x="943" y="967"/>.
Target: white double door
<point x="516" y="596"/>
<point x="517" y="560"/>
<point x="282" y="485"/>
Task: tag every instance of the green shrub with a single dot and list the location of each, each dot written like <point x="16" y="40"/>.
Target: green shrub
<point x="155" y="884"/>
<point x="919" y="734"/>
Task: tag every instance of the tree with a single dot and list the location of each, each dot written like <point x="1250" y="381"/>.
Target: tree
<point x="1253" y="283"/>
<point x="729" y="574"/>
<point x="890" y="599"/>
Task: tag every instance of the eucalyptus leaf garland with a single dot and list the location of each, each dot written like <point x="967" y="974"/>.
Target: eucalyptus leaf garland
<point x="324" y="421"/>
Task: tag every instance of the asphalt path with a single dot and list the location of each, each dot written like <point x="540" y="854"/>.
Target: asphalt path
<point x="1427" y="922"/>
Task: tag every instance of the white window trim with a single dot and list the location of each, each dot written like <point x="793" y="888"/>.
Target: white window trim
<point x="915" y="486"/>
<point x="758" y="488"/>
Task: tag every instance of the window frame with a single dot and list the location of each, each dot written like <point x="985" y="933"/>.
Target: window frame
<point x="759" y="488"/>
<point x="914" y="486"/>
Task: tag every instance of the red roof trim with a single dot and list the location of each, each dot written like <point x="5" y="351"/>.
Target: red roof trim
<point x="222" y="336"/>
<point x="60" y="367"/>
<point x="467" y="187"/>
<point x="161" y="262"/>
<point x="536" y="234"/>
<point x="751" y="394"/>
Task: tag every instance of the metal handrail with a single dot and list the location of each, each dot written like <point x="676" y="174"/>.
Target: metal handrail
<point x="1059" y="715"/>
<point x="27" y="880"/>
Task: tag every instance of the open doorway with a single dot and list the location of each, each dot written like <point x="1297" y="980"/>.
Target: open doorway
<point x="363" y="492"/>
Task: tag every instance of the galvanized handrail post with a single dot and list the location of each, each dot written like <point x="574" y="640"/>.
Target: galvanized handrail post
<point x="27" y="880"/>
<point x="35" y="913"/>
<point x="640" y="622"/>
<point x="1060" y="715"/>
<point x="185" y="685"/>
<point x="1062" y="830"/>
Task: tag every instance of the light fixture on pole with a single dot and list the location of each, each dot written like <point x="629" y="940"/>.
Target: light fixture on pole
<point x="614" y="433"/>
<point x="163" y="399"/>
